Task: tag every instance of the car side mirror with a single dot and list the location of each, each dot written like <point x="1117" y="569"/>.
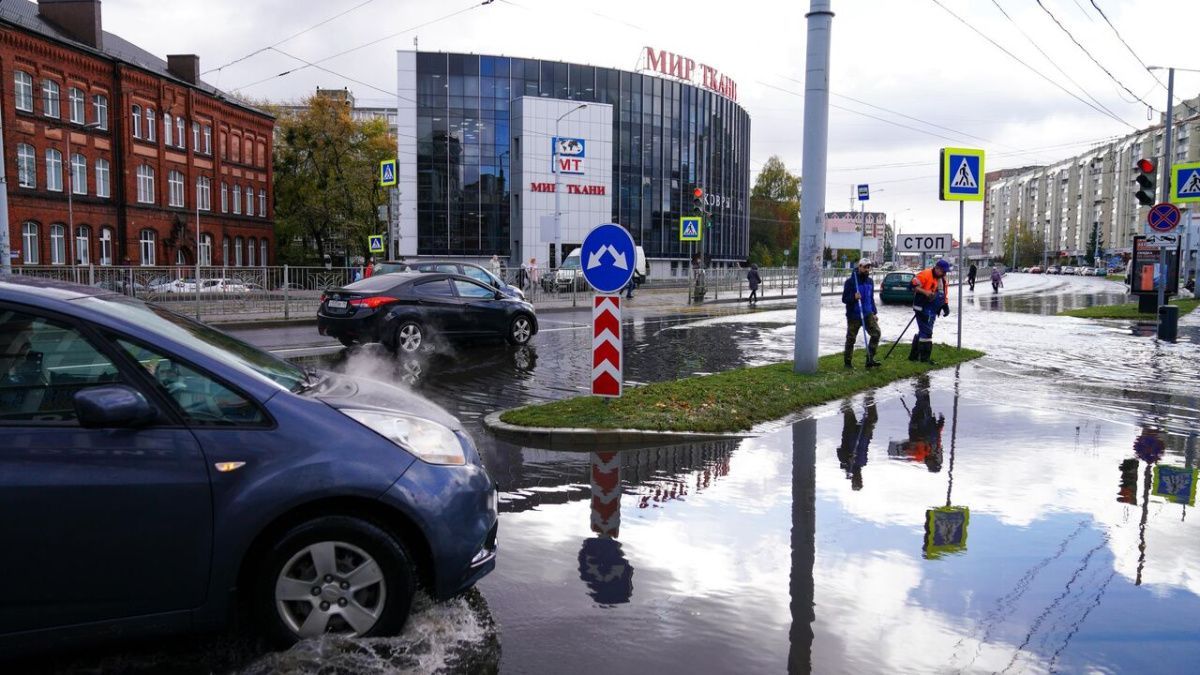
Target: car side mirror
<point x="113" y="405"/>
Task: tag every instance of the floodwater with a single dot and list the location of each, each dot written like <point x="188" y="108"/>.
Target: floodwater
<point x="1027" y="512"/>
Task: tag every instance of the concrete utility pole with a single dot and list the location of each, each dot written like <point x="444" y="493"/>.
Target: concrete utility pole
<point x="812" y="205"/>
<point x="1165" y="183"/>
<point x="5" y="248"/>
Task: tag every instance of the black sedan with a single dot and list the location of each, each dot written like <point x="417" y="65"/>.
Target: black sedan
<point x="404" y="311"/>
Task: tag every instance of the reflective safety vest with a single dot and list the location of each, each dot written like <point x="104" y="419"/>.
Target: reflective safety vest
<point x="927" y="281"/>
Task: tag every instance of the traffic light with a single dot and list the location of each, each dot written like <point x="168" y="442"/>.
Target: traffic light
<point x="1145" y="182"/>
<point x="698" y="199"/>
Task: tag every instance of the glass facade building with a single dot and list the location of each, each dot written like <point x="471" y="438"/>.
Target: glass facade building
<point x="668" y="138"/>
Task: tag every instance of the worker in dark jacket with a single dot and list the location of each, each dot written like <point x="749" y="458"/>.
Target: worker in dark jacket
<point x="971" y="272"/>
<point x="754" y="280"/>
<point x="858" y="294"/>
<point x="931" y="294"/>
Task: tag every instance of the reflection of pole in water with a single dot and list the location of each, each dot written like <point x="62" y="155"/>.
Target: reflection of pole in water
<point x="602" y="564"/>
<point x="804" y="526"/>
<point x="1147" y="477"/>
<point x="953" y="438"/>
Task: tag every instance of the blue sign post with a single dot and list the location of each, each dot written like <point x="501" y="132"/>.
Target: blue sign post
<point x="608" y="256"/>
<point x="387" y="173"/>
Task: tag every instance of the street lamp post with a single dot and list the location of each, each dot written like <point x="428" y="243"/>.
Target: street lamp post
<point x="557" y="174"/>
<point x="71" y="234"/>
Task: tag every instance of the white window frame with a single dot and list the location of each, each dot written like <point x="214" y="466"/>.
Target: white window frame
<point x="135" y="129"/>
<point x="26" y="165"/>
<point x="23" y="91"/>
<point x="195" y="135"/>
<point x="51" y="94"/>
<point x="145" y="184"/>
<point x="262" y="252"/>
<point x="206" y="245"/>
<point x="175" y="196"/>
<point x="167" y="136"/>
<point x="29" y="243"/>
<point x="204" y="193"/>
<point x="251" y="244"/>
<point x="249" y="201"/>
<point x="77" y="105"/>
<point x="106" y="249"/>
<point x="262" y="203"/>
<point x="79" y="182"/>
<point x="225" y="251"/>
<point x="103" y="178"/>
<point x="54" y="175"/>
<point x="207" y="139"/>
<point x="238" y="244"/>
<point x="147" y="247"/>
<point x="151" y="125"/>
<point x="224" y="197"/>
<point x="83" y="244"/>
<point x="237" y="199"/>
<point x="58" y="244"/>
<point x="180" y="138"/>
<point x="100" y="110"/>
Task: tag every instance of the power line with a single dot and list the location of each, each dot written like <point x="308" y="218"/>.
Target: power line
<point x="344" y="77"/>
<point x="1039" y="73"/>
<point x="290" y="37"/>
<point x="1135" y="55"/>
<point x="1048" y="58"/>
<point x="868" y="115"/>
<point x="1089" y="55"/>
<point x="369" y="44"/>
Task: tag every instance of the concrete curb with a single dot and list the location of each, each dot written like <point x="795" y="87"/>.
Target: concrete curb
<point x="591" y="439"/>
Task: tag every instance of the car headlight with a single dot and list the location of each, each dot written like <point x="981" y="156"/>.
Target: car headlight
<point x="429" y="441"/>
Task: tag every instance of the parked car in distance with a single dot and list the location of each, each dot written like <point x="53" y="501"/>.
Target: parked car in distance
<point x="896" y="287"/>
<point x="1067" y="269"/>
<point x="406" y="311"/>
<point x="1083" y="271"/>
<point x="1025" y="269"/>
<point x="195" y="473"/>
<point x="1037" y="270"/>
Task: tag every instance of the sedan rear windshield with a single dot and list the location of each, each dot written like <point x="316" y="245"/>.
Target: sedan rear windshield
<point x="200" y="337"/>
<point x="894" y="278"/>
<point x="375" y="283"/>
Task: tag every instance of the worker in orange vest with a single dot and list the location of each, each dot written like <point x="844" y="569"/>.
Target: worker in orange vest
<point x="931" y="294"/>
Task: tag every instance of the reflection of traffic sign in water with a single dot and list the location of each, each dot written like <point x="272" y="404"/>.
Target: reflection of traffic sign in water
<point x="946" y="530"/>
<point x="1148" y="447"/>
<point x="1176" y="484"/>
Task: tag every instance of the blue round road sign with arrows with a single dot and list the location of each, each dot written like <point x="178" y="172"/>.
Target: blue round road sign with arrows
<point x="608" y="256"/>
<point x="1163" y="217"/>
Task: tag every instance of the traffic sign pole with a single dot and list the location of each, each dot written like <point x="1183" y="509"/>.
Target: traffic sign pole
<point x="961" y="248"/>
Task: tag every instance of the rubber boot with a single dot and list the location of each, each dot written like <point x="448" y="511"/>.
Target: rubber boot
<point x="846" y="360"/>
<point x="871" y="362"/>
<point x="914" y="353"/>
<point x="927" y="352"/>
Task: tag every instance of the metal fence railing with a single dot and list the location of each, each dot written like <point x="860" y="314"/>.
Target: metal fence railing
<point x="295" y="292"/>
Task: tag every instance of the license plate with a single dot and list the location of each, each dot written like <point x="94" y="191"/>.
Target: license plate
<point x="336" y="304"/>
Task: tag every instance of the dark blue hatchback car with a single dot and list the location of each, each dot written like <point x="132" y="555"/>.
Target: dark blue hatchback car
<point x="156" y="474"/>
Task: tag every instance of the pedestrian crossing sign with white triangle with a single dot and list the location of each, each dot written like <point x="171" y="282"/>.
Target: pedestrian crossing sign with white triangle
<point x="1185" y="183"/>
<point x="690" y="228"/>
<point x="962" y="175"/>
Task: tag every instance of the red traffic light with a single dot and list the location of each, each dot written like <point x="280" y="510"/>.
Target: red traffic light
<point x="1145" y="166"/>
<point x="699" y="192"/>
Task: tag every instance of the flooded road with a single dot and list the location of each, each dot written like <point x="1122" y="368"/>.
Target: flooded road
<point x="1027" y="512"/>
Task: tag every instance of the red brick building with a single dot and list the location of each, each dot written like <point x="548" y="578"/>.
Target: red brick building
<point x="142" y="145"/>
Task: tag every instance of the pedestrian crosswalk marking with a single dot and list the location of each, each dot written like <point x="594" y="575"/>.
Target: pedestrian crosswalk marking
<point x="963" y="178"/>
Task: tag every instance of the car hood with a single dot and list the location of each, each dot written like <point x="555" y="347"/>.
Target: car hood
<point x="347" y="391"/>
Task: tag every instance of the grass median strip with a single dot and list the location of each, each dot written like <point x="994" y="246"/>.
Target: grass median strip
<point x="1128" y="311"/>
<point x="735" y="400"/>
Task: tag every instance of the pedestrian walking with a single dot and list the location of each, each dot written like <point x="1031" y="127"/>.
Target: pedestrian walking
<point x="931" y="295"/>
<point x="754" y="279"/>
<point x="997" y="279"/>
<point x="858" y="294"/>
<point x="523" y="276"/>
<point x="533" y="273"/>
<point x="369" y="269"/>
<point x="971" y="272"/>
<point x="494" y="266"/>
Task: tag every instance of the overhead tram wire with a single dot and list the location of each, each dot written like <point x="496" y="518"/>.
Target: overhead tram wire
<point x="1122" y="39"/>
<point x="290" y="37"/>
<point x="1051" y="60"/>
<point x="863" y="114"/>
<point x="1039" y="73"/>
<point x="313" y="64"/>
<point x="1090" y="56"/>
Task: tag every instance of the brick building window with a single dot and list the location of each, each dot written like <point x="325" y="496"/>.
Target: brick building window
<point x="262" y="203"/>
<point x="238" y="244"/>
<point x="106" y="241"/>
<point x="224" y="145"/>
<point x="26" y="165"/>
<point x="175" y="188"/>
<point x="248" y="151"/>
<point x="23" y="91"/>
<point x="147" y="246"/>
<point x="249" y="200"/>
<point x="50" y="99"/>
<point x="262" y="154"/>
<point x="262" y="252"/>
<point x="78" y="174"/>
<point x="136" y="127"/>
<point x="250" y="251"/>
<point x="235" y="149"/>
<point x="145" y="184"/>
<point x="167" y="137"/>
<point x="237" y="199"/>
<point x="103" y="186"/>
<point x="207" y="140"/>
<point x="150" y="125"/>
<point x="225" y="251"/>
<point x="204" y="193"/>
<point x="29" y="243"/>
<point x="180" y="139"/>
<point x="100" y="110"/>
<point x="54" y="175"/>
<point x="78" y="107"/>
<point x="83" y="245"/>
<point x="196" y="136"/>
<point x="224" y="198"/>
<point x="206" y="250"/>
<point x="58" y="244"/>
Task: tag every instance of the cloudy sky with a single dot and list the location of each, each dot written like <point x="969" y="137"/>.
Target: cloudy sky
<point x="907" y="76"/>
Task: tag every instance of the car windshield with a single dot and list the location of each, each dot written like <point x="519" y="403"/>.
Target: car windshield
<point x="200" y="337"/>
<point x="893" y="278"/>
<point x="571" y="263"/>
<point x="390" y="267"/>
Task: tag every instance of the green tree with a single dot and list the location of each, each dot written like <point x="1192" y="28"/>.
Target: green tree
<point x="1030" y="245"/>
<point x="326" y="181"/>
<point x="760" y="254"/>
<point x="775" y="208"/>
<point x="1095" y="247"/>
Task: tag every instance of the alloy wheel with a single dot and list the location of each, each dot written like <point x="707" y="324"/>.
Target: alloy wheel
<point x="409" y="337"/>
<point x="330" y="586"/>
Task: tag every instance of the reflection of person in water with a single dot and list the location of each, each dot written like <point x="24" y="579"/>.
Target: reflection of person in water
<point x="924" y="442"/>
<point x="856" y="440"/>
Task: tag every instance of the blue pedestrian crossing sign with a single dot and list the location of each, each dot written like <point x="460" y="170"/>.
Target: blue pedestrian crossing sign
<point x="691" y="228"/>
<point x="375" y="243"/>
<point x="608" y="256"/>
<point x="387" y="173"/>
<point x="1185" y="183"/>
<point x="961" y="175"/>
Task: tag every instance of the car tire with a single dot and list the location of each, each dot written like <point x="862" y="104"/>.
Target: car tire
<point x="346" y="341"/>
<point x="306" y="581"/>
<point x="409" y="338"/>
<point x="520" y="330"/>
